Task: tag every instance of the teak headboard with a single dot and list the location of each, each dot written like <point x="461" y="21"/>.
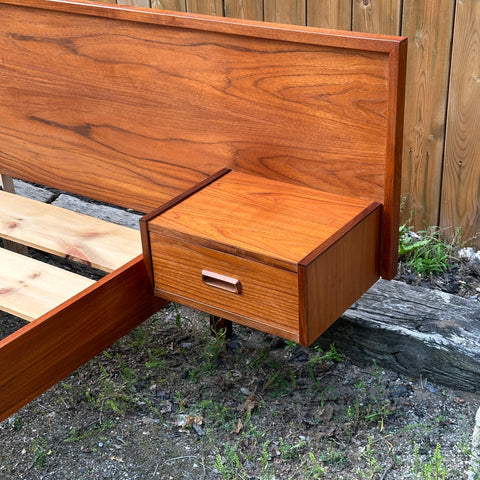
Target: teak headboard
<point x="132" y="106"/>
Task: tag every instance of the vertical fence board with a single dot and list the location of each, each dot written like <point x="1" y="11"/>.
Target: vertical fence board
<point x="208" y="7"/>
<point x="250" y="9"/>
<point x="428" y="25"/>
<point x="285" y="11"/>
<point x="175" y="5"/>
<point x="461" y="175"/>
<point x="377" y="16"/>
<point x="138" y="3"/>
<point x="330" y="14"/>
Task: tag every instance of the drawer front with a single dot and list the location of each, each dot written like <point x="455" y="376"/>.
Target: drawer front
<point x="243" y="287"/>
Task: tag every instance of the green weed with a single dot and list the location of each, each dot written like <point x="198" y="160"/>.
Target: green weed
<point x="312" y="468"/>
<point x="430" y="468"/>
<point x="425" y="252"/>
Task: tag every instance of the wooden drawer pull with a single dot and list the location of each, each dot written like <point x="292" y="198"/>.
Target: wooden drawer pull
<point x="221" y="281"/>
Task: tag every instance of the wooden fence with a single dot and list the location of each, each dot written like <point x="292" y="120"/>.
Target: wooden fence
<point x="441" y="161"/>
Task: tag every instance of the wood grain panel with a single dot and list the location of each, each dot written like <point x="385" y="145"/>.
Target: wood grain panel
<point x="268" y="294"/>
<point x="330" y="14"/>
<point x="175" y="5"/>
<point x="339" y="276"/>
<point x="151" y="104"/>
<point x="45" y="351"/>
<point x="288" y="221"/>
<point x="429" y="27"/>
<point x="285" y="11"/>
<point x="208" y="7"/>
<point x="461" y="174"/>
<point x="29" y="288"/>
<point x="85" y="239"/>
<point x="251" y="9"/>
<point x="377" y="16"/>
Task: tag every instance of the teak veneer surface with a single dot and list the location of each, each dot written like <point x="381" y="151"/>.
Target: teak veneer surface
<point x="45" y="351"/>
<point x="29" y="288"/>
<point x="277" y="257"/>
<point x="133" y="106"/>
<point x="52" y="229"/>
<point x="264" y="219"/>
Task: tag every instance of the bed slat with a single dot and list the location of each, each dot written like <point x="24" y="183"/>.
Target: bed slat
<point x="29" y="288"/>
<point x="52" y="229"/>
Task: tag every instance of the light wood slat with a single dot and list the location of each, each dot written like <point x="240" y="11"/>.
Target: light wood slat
<point x="38" y="355"/>
<point x="8" y="186"/>
<point x="29" y="288"/>
<point x="52" y="229"/>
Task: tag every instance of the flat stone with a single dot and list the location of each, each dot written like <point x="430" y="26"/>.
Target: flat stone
<point x="104" y="212"/>
<point x="31" y="191"/>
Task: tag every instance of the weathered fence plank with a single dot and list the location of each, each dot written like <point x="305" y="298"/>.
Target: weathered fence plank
<point x="175" y="5"/>
<point x="286" y="11"/>
<point x="208" y="7"/>
<point x="330" y="14"/>
<point x="461" y="174"/>
<point x="250" y="9"/>
<point x="377" y="16"/>
<point x="138" y="3"/>
<point x="428" y="25"/>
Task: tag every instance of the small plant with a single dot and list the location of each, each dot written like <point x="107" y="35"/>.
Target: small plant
<point x="40" y="454"/>
<point x="313" y="468"/>
<point x="430" y="468"/>
<point x="374" y="466"/>
<point x="320" y="357"/>
<point x="229" y="465"/>
<point x="424" y="252"/>
<point x="288" y="451"/>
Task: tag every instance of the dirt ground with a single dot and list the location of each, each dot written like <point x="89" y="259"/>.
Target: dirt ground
<point x="170" y="401"/>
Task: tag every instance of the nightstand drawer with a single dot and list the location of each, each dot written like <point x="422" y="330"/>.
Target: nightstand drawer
<point x="214" y="281"/>
<point x="280" y="258"/>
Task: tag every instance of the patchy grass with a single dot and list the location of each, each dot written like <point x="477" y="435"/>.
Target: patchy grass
<point x="171" y="401"/>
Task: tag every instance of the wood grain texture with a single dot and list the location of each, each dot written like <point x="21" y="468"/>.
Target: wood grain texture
<point x="189" y="97"/>
<point x="207" y="7"/>
<point x="461" y="173"/>
<point x="8" y="186"/>
<point x="405" y="328"/>
<point x="251" y="9"/>
<point x="377" y="16"/>
<point x="175" y="5"/>
<point x="429" y="26"/>
<point x="85" y="239"/>
<point x="45" y="351"/>
<point x="262" y="218"/>
<point x="137" y="3"/>
<point x="29" y="288"/>
<point x="339" y="276"/>
<point x="330" y="14"/>
<point x="285" y="11"/>
<point x="268" y="294"/>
